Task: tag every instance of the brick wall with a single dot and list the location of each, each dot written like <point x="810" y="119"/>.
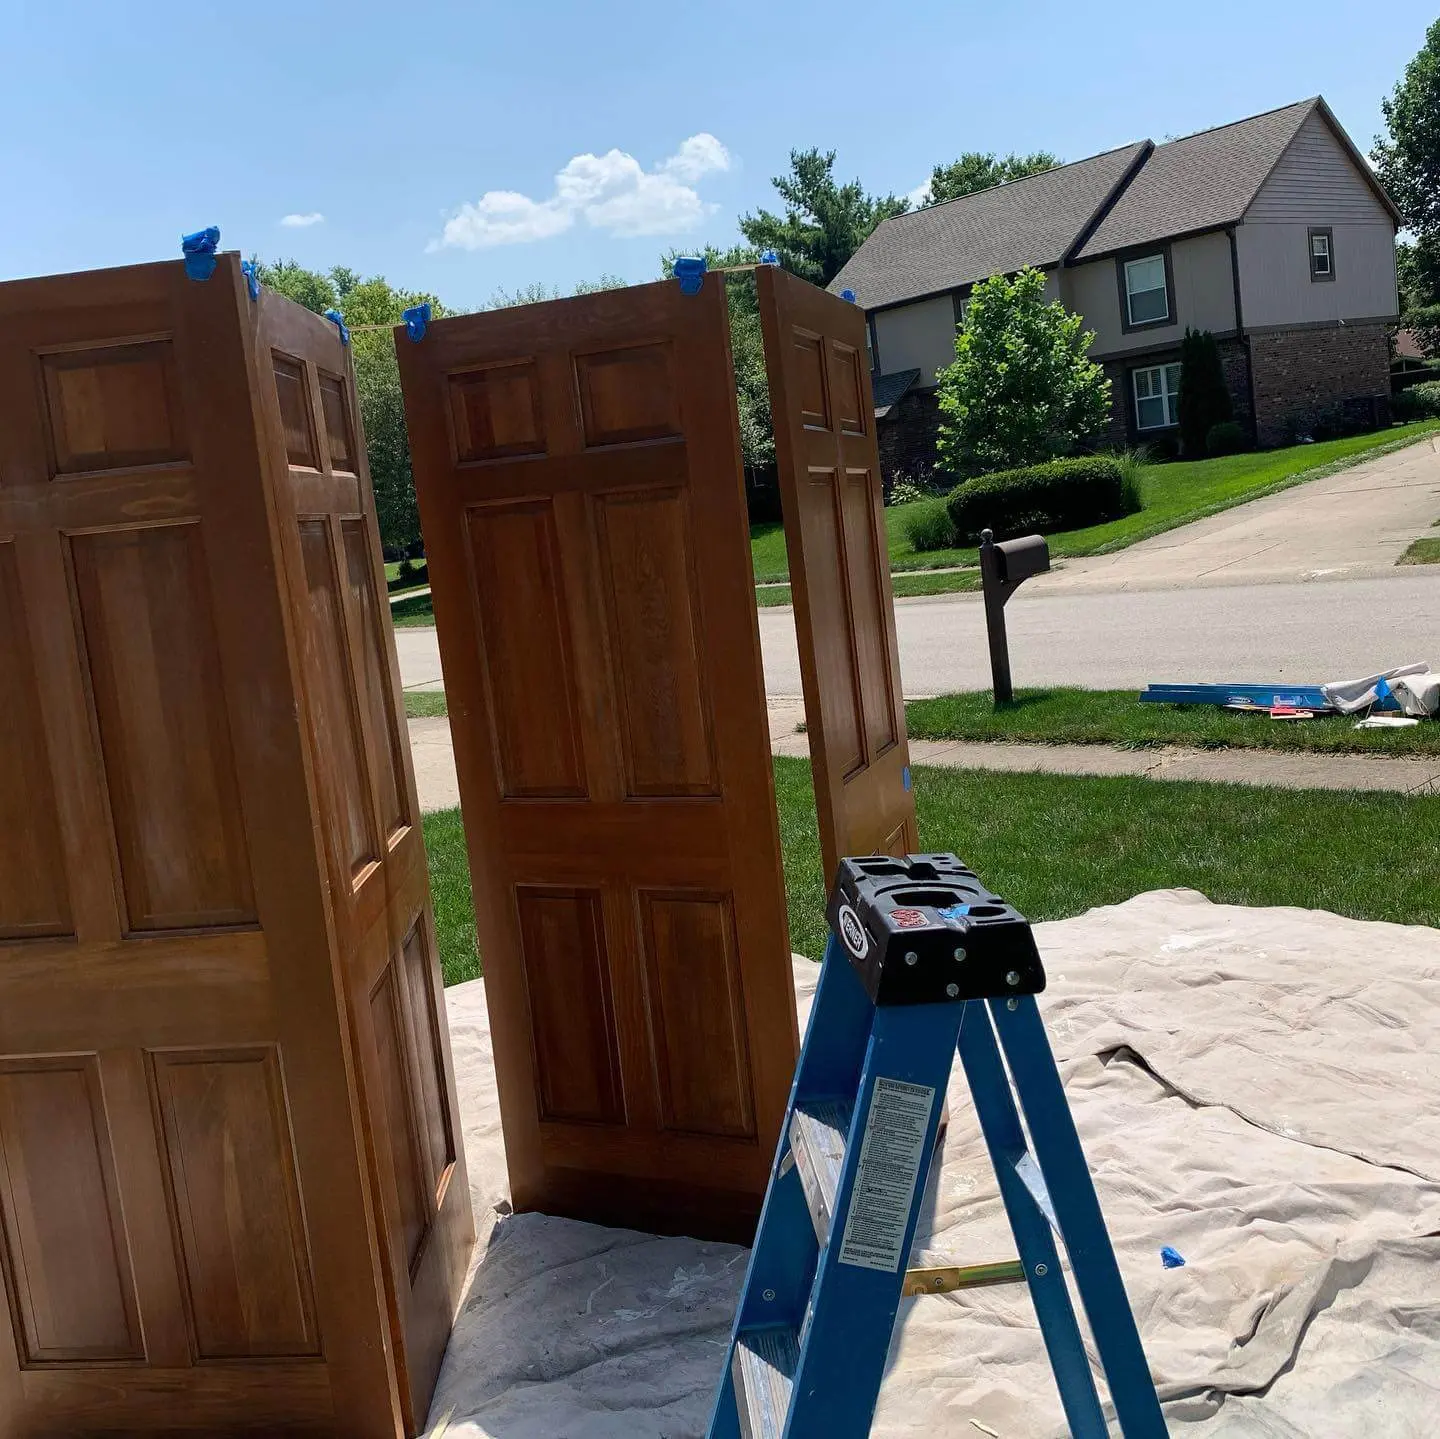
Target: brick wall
<point x="1331" y="376"/>
<point x="1121" y="431"/>
<point x="906" y="436"/>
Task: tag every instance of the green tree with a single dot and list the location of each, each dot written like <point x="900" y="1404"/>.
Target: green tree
<point x="369" y="307"/>
<point x="1021" y="389"/>
<point x="975" y="171"/>
<point x="1204" y="395"/>
<point x="538" y="292"/>
<point x="747" y="348"/>
<point x="1408" y="164"/>
<point x="824" y="223"/>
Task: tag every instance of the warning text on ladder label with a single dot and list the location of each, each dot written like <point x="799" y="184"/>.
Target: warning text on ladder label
<point x="890" y="1157"/>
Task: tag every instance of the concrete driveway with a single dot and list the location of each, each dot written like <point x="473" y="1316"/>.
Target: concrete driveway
<point x="1348" y="525"/>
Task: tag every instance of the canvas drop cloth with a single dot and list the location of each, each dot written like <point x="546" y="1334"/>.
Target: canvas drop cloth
<point x="1259" y="1089"/>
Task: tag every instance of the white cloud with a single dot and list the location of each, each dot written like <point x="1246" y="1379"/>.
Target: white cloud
<point x="302" y="222"/>
<point x="611" y="192"/>
<point x="920" y="195"/>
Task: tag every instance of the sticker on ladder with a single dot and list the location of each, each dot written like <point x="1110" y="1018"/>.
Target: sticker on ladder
<point x="890" y="1157"/>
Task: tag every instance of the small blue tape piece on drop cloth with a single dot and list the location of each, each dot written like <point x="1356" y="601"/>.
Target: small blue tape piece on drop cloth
<point x="769" y="257"/>
<point x="690" y="271"/>
<point x="199" y="252"/>
<point x="338" y="320"/>
<point x="416" y="318"/>
<point x="251" y="271"/>
<point x="954" y="911"/>
<point x="1172" y="1258"/>
<point x="905" y="778"/>
<point x="848" y="295"/>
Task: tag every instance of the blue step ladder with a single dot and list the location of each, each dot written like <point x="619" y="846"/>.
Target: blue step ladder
<point x="921" y="960"/>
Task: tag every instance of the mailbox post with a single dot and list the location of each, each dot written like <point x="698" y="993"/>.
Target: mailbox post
<point x="1002" y="569"/>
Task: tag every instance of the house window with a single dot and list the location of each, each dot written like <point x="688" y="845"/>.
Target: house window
<point x="1147" y="297"/>
<point x="1157" y="397"/>
<point x="1322" y="254"/>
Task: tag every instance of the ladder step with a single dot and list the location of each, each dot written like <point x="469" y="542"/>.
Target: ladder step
<point x="818" y="1130"/>
<point x="764" y="1371"/>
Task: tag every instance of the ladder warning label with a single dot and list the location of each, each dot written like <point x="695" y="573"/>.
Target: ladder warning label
<point x="890" y="1157"/>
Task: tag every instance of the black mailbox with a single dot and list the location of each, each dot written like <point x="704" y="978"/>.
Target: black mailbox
<point x="1002" y="568"/>
<point x="1019" y="559"/>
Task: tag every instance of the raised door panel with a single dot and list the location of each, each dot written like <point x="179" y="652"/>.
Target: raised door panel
<point x="437" y="1121"/>
<point x="65" y="1256"/>
<point x="373" y="678"/>
<point x="113" y="406"/>
<point x="627" y="395"/>
<point x="335" y="729"/>
<point x="232" y="1187"/>
<point x="521" y="605"/>
<point x="864" y="549"/>
<point x="572" y="1011"/>
<point x="153" y="664"/>
<point x="297" y="419"/>
<point x="649" y="580"/>
<point x="34" y="900"/>
<point x="697" y="1013"/>
<point x="495" y="412"/>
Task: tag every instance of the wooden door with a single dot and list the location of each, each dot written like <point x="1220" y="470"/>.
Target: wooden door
<point x="374" y="850"/>
<point x="577" y="466"/>
<point x="833" y="507"/>
<point x="189" y="1240"/>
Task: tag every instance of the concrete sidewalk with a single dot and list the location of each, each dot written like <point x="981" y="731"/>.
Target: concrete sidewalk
<point x="1273" y="769"/>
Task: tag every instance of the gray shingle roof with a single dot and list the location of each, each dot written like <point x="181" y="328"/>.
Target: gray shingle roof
<point x="1025" y="222"/>
<point x="1197" y="183"/>
<point x="891" y="389"/>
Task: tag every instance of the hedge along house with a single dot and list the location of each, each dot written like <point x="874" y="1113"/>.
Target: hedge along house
<point x="1272" y="233"/>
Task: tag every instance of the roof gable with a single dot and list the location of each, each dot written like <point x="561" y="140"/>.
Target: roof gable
<point x="1200" y="182"/>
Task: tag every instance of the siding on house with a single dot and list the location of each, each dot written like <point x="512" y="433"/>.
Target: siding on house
<point x="1315" y="184"/>
<point x="1204" y="297"/>
<point x="921" y="336"/>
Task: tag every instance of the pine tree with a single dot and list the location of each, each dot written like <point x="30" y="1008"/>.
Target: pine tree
<point x="1204" y="395"/>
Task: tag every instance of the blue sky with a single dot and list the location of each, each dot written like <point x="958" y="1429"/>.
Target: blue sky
<point x="464" y="147"/>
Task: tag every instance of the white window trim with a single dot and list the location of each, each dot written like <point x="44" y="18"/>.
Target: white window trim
<point x="1162" y="394"/>
<point x="1316" y="254"/>
<point x="1164" y="289"/>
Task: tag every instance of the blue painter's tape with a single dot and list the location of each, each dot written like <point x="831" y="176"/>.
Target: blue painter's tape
<point x="251" y="271"/>
<point x="848" y="295"/>
<point x="338" y="320"/>
<point x="769" y="257"/>
<point x="954" y="911"/>
<point x="416" y="318"/>
<point x="905" y="778"/>
<point x="690" y="271"/>
<point x="199" y="252"/>
<point x="1172" y="1258"/>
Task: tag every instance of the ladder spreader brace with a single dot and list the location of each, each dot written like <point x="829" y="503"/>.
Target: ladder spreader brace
<point x="922" y="960"/>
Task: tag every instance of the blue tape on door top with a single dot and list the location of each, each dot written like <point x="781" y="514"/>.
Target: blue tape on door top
<point x="199" y="250"/>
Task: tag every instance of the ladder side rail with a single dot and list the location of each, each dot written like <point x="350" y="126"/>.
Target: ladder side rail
<point x="842" y="1357"/>
<point x="1005" y="1140"/>
<point x="1057" y="1150"/>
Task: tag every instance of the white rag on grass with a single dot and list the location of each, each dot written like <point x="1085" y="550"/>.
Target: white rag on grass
<point x="1258" y="1088"/>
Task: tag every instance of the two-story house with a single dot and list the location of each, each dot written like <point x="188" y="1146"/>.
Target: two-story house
<point x="1271" y="232"/>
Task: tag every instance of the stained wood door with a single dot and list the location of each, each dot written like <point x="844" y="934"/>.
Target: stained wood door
<point x="370" y="824"/>
<point x="833" y="505"/>
<point x="577" y="467"/>
<point x="190" y="1238"/>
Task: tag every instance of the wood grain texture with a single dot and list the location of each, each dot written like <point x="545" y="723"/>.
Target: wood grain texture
<point x="577" y="468"/>
<point x="831" y="498"/>
<point x="194" y="1208"/>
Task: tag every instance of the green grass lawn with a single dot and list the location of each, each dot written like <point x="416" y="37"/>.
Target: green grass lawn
<point x="425" y="704"/>
<point x="1422" y="552"/>
<point x="1172" y="494"/>
<point x="1116" y="717"/>
<point x="417" y="611"/>
<point x="1055" y="845"/>
<point x="922" y="583"/>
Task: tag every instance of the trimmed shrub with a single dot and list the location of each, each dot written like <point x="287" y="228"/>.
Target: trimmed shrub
<point x="1419" y="402"/>
<point x="1204" y="395"/>
<point x="1226" y="438"/>
<point x="928" y="526"/>
<point x="1061" y="495"/>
